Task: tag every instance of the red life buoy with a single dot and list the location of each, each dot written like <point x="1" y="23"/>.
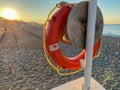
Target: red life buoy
<point x="51" y="36"/>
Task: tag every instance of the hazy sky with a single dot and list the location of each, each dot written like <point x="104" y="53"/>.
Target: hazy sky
<point x="37" y="10"/>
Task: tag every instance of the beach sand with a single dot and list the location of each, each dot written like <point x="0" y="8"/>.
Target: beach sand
<point x="30" y="70"/>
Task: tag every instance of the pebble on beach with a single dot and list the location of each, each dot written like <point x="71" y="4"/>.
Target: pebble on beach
<point x="24" y="67"/>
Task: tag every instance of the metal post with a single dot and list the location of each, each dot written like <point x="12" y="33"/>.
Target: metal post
<point x="92" y="7"/>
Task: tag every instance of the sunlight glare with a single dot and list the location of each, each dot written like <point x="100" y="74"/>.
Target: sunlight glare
<point x="9" y="13"/>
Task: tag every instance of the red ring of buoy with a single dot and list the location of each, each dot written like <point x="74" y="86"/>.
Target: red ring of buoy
<point x="51" y="35"/>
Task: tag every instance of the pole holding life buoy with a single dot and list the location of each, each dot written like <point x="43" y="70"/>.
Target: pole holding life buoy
<point x="92" y="7"/>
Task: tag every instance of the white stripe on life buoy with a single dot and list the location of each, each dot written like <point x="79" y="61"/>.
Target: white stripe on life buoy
<point x="54" y="47"/>
<point x="82" y="62"/>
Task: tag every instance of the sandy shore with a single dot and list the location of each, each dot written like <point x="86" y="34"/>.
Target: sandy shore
<point x="27" y="69"/>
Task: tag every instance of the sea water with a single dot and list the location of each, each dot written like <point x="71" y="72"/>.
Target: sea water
<point x="111" y="30"/>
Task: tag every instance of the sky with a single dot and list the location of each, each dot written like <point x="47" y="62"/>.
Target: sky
<point x="37" y="10"/>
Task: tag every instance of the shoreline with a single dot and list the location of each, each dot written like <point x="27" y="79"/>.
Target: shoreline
<point x="110" y="36"/>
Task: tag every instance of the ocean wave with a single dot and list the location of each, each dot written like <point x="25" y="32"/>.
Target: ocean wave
<point x="111" y="30"/>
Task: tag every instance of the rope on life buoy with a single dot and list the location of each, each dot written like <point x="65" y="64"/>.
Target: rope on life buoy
<point x="57" y="68"/>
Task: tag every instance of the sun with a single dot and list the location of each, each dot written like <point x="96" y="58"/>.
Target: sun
<point x="9" y="13"/>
